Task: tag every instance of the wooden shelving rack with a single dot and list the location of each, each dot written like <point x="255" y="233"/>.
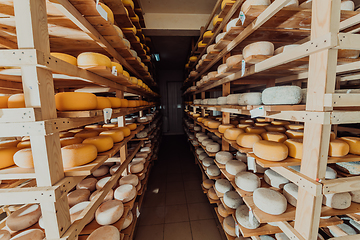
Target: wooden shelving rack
<point x="324" y="29"/>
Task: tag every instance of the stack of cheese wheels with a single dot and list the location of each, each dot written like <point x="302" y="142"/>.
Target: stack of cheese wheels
<point x="16" y="101"/>
<point x="274" y="179"/>
<point x="282" y="95"/>
<point x="258" y="48"/>
<point x="248" y="140"/>
<point x="78" y="196"/>
<point x="337" y="200"/>
<point x="111" y="233"/>
<point x="125" y="193"/>
<point x="247" y="181"/>
<point x="271" y="151"/>
<point x="23" y="217"/>
<point x="243" y="218"/>
<point x="78" y="154"/>
<point x="75" y="101"/>
<point x="270" y="201"/>
<point x="109" y="212"/>
<point x="232" y="133"/>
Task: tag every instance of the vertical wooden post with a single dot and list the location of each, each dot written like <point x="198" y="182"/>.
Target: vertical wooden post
<point x="203" y="109"/>
<point x="322" y="75"/>
<point x="225" y="115"/>
<point x="121" y="123"/>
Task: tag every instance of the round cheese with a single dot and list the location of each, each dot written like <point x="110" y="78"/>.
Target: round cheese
<point x="354" y="144"/>
<point x="32" y="234"/>
<point x="132" y="126"/>
<point x="129" y="179"/>
<point x="101" y="171"/>
<point x="109" y="212"/>
<point x="274" y="136"/>
<point x="86" y="134"/>
<point x="212" y="75"/>
<point x="102" y="143"/>
<point x="211" y="49"/>
<point x="274" y="179"/>
<point x="233" y="99"/>
<point x="105" y="233"/>
<point x="208" y="183"/>
<point x="78" y="196"/>
<point x="5" y="235"/>
<point x="199" y="151"/>
<point x="280" y="123"/>
<point x="233" y="133"/>
<point x="128" y="220"/>
<point x="330" y="173"/>
<point x="223" y="127"/>
<point x="355" y="196"/>
<point x="222" y="185"/>
<point x="75" y="101"/>
<point x="124" y="102"/>
<point x="125" y="193"/>
<point x="337" y="148"/>
<point x="103" y="102"/>
<point x="91" y="59"/>
<point x="258" y="48"/>
<point x="76" y="211"/>
<point x="272" y="128"/>
<point x="213" y="147"/>
<point x="229" y="226"/>
<point x="202" y="156"/>
<point x="23" y="158"/>
<point x="110" y="14"/>
<point x="261" y="124"/>
<point x="207" y="162"/>
<point x="347" y="5"/>
<point x="219" y="37"/>
<point x="222" y="211"/>
<point x="213" y="171"/>
<point x="243" y="126"/>
<point x="115" y="134"/>
<point x="271" y="151"/>
<point x="241" y="156"/>
<point x="4" y="101"/>
<point x="102" y="182"/>
<point x="247" y="140"/>
<point x="295" y="134"/>
<point x="247" y="121"/>
<point x="235" y="166"/>
<point x="282" y="95"/>
<point x="9" y="143"/>
<point x="213" y="124"/>
<point x="295" y="147"/>
<point x="247" y="4"/>
<point x="65" y="57"/>
<point x="136" y="167"/>
<point x="337" y="200"/>
<point x="212" y="194"/>
<point x="291" y="193"/>
<point x="232" y="199"/>
<point x="221" y="100"/>
<point x="87" y="183"/>
<point x="114" y="101"/>
<point x="109" y="195"/>
<point x="269" y="201"/>
<point x="78" y="154"/>
<point x="23" y="217"/>
<point x="247" y="181"/>
<point x="252" y="98"/>
<point x="114" y="168"/>
<point x="18" y="101"/>
<point x="256" y="130"/>
<point x="69" y="141"/>
<point x="223" y="157"/>
<point x="221" y="69"/>
<point x="294" y="127"/>
<point x="243" y="218"/>
<point x="126" y="131"/>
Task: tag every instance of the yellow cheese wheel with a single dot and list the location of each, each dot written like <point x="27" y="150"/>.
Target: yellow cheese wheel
<point x="7" y="156"/>
<point x="214" y="124"/>
<point x="295" y="126"/>
<point x="16" y="101"/>
<point x="66" y="134"/>
<point x="261" y="120"/>
<point x="247" y="140"/>
<point x="78" y="154"/>
<point x="354" y="144"/>
<point x="206" y="122"/>
<point x="9" y="143"/>
<point x="295" y="134"/>
<point x="126" y="74"/>
<point x="208" y="34"/>
<point x="23" y="158"/>
<point x="201" y="44"/>
<point x="128" y="3"/>
<point x="195" y="115"/>
<point x="133" y="80"/>
<point x="280" y="123"/>
<point x="126" y="131"/>
<point x="332" y="135"/>
<point x="257" y="130"/>
<point x="91" y="59"/>
<point x="243" y="126"/>
<point x="223" y="127"/>
<point x="338" y="148"/>
<point x="75" y="101"/>
<point x="271" y="151"/>
<point x="26" y="138"/>
<point x="193" y="59"/>
<point x="133" y="29"/>
<point x="118" y="30"/>
<point x="131" y="126"/>
<point x="124" y="103"/>
<point x="24" y="144"/>
<point x="199" y="119"/>
<point x="234" y="122"/>
<point x="216" y="20"/>
<point x="69" y="141"/>
<point x="110" y="14"/>
<point x="102" y="143"/>
<point x="274" y="136"/>
<point x="87" y="134"/>
<point x="272" y="128"/>
<point x="109" y="125"/>
<point x="103" y="102"/>
<point x="232" y="133"/>
<point x="116" y="135"/>
<point x="65" y="57"/>
<point x="4" y="101"/>
<point x="135" y="18"/>
<point x="132" y="103"/>
<point x="224" y="2"/>
<point x="295" y="147"/>
<point x="118" y="67"/>
<point x="75" y="130"/>
<point x="115" y="102"/>
<point x="261" y="124"/>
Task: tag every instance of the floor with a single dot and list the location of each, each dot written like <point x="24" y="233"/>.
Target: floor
<point x="174" y="207"/>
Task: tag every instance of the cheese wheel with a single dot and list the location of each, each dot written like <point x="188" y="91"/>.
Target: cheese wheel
<point x="69" y="141"/>
<point x="222" y="211"/>
<point x="23" y="217"/>
<point x="76" y="130"/>
<point x="235" y="166"/>
<point x="341" y="230"/>
<point x="114" y="168"/>
<point x="213" y="171"/>
<point x="102" y="182"/>
<point x="232" y="199"/>
<point x="7" y="156"/>
<point x="4" y="101"/>
<point x="202" y="156"/>
<point x="354" y="144"/>
<point x="124" y="102"/>
<point x="115" y="134"/>
<point x="18" y="101"/>
<point x="208" y="183"/>
<point x="214" y="124"/>
<point x="105" y="233"/>
<point x="222" y="185"/>
<point x="223" y="127"/>
<point x="280" y="123"/>
<point x="197" y="128"/>
<point x="294" y="127"/>
<point x="295" y="134"/>
<point x="76" y="210"/>
<point x="211" y="49"/>
<point x="243" y="126"/>
<point x="212" y="194"/>
<point x="271" y="151"/>
<point x="109" y="195"/>
<point x="247" y="121"/>
<point x="251" y="98"/>
<point x="247" y="181"/>
<point x="213" y="147"/>
<point x="291" y="193"/>
<point x="233" y="60"/>
<point x="136" y="167"/>
<point x="221" y="69"/>
<point x="5" y="235"/>
<point x="233" y="99"/>
<point x="65" y="57"/>
<point x="126" y="130"/>
<point x="78" y="196"/>
<point x="207" y="142"/>
<point x="243" y="218"/>
<point x="258" y="48"/>
<point x="256" y="130"/>
<point x="272" y="128"/>
<point x="223" y="157"/>
<point x="247" y="140"/>
<point x="87" y="134"/>
<point x="221" y="100"/>
<point x="129" y="179"/>
<point x="141" y="155"/>
<point x="295" y="147"/>
<point x="78" y="154"/>
<point x="87" y="183"/>
<point x="114" y="101"/>
<point x="91" y="59"/>
<point x="261" y="124"/>
<point x="241" y="156"/>
<point x="229" y="226"/>
<point x="247" y="4"/>
<point x="103" y="102"/>
<point x="109" y="212"/>
<point x="199" y="151"/>
<point x="347" y="5"/>
<point x="281" y="236"/>
<point x="101" y="171"/>
<point x="110" y="14"/>
<point x="128" y="220"/>
<point x="23" y="158"/>
<point x="102" y="143"/>
<point x="337" y="148"/>
<point x="274" y="136"/>
<point x="33" y="234"/>
<point x="270" y="201"/>
<point x="274" y="179"/>
<point x="132" y="126"/>
<point x="70" y="134"/>
<point x="282" y="95"/>
<point x="337" y="200"/>
<point x="145" y="149"/>
<point x="232" y="133"/>
<point x="9" y="143"/>
<point x="125" y="193"/>
<point x="355" y="196"/>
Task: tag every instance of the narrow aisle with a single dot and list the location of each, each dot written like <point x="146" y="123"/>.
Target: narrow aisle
<point x="175" y="207"/>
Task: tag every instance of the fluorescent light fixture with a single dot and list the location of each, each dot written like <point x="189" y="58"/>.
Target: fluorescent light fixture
<point x="157" y="57"/>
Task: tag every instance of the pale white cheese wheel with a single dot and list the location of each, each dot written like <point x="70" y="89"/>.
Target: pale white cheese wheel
<point x="139" y="159"/>
<point x="270" y="201"/>
<point x="291" y="193"/>
<point x="233" y="60"/>
<point x="349" y="167"/>
<point x="222" y="185"/>
<point x="197" y="128"/>
<point x="223" y="157"/>
<point x="246" y="5"/>
<point x="242" y="217"/>
<point x="114" y="168"/>
<point x="355" y="196"/>
<point x="105" y="233"/>
<point x="145" y="149"/>
<point x="101" y="171"/>
<point x="142" y="154"/>
<point x="229" y="226"/>
<point x="207" y="162"/>
<point x="125" y="193"/>
<point x="233" y="99"/>
<point x="337" y="200"/>
<point x="330" y="173"/>
<point x="108" y="196"/>
<point x="109" y="212"/>
<point x="222" y="211"/>
<point x="251" y="98"/>
<point x="213" y="171"/>
<point x="87" y="183"/>
<point x="5" y="235"/>
<point x="199" y="151"/>
<point x="235" y="166"/>
<point x="247" y="181"/>
<point x="231" y="24"/>
<point x="128" y="220"/>
<point x="281" y="236"/>
<point x="258" y="48"/>
<point x="101" y="183"/>
<point x="221" y="100"/>
<point x="77" y="196"/>
<point x="282" y="95"/>
<point x="129" y="179"/>
<point x="76" y="211"/>
<point x="212" y="194"/>
<point x="31" y="234"/>
<point x="211" y="48"/>
<point x="232" y="199"/>
<point x="204" y="101"/>
<point x="213" y="147"/>
<point x="23" y="217"/>
<point x="197" y="101"/>
<point x="206" y="142"/>
<point x="222" y="68"/>
<point x="136" y="167"/>
<point x="274" y="179"/>
<point x="203" y="155"/>
<point x="208" y="183"/>
<point x="347" y="5"/>
<point x="212" y="101"/>
<point x="241" y="156"/>
<point x="201" y="138"/>
<point x="219" y="37"/>
<point x="344" y="227"/>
